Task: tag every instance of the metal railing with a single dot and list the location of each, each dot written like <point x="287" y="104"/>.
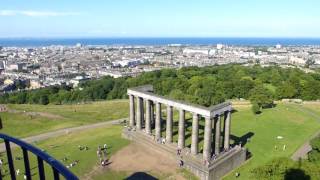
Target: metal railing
<point x="57" y="167"/>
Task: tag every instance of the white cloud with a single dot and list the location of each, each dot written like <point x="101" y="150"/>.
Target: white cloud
<point x="36" y="13"/>
<point x="7" y="13"/>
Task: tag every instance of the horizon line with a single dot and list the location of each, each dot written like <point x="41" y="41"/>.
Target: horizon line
<point x="159" y="37"/>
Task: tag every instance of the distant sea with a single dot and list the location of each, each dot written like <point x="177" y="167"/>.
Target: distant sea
<point x="36" y="42"/>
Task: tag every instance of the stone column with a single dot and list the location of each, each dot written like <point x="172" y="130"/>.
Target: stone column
<point x="227" y="124"/>
<point x="158" y="121"/>
<point x="181" y="136"/>
<point x="195" y="134"/>
<point x="152" y="114"/>
<point x="207" y="139"/>
<point x="140" y="112"/>
<point x="132" y="111"/>
<point x="217" y="135"/>
<point x="169" y="124"/>
<point x="148" y="117"/>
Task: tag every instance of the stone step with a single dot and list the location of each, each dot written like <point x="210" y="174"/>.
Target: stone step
<point x="169" y="148"/>
<point x="150" y="140"/>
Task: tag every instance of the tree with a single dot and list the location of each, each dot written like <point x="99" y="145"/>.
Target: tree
<point x="255" y="108"/>
<point x="261" y="96"/>
<point x="274" y="169"/>
<point x="286" y="90"/>
<point x="243" y="87"/>
<point x="315" y="143"/>
<point x="177" y="94"/>
<point x="310" y="90"/>
<point x="44" y="100"/>
<point x="275" y="77"/>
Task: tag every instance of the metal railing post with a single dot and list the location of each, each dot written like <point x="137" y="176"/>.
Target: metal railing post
<point x="26" y="163"/>
<point x="10" y="160"/>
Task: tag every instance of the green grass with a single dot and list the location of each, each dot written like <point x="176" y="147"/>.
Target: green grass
<point x="67" y="146"/>
<point x="22" y="124"/>
<point x="290" y="121"/>
<point x="313" y="108"/>
<point x="295" y="123"/>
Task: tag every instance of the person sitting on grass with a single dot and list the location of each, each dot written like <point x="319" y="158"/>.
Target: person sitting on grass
<point x="237" y="174"/>
<point x="65" y="159"/>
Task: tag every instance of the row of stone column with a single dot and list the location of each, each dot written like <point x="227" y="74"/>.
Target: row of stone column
<point x="215" y="124"/>
<point x="207" y="148"/>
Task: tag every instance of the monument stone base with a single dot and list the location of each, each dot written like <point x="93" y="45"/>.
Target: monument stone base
<point x="213" y="170"/>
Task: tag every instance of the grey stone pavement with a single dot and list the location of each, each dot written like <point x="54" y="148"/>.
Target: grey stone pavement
<point x="61" y="132"/>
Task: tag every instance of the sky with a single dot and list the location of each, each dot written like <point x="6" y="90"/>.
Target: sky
<point x="159" y="18"/>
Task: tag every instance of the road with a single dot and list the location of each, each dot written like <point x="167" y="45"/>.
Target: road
<point x="61" y="132"/>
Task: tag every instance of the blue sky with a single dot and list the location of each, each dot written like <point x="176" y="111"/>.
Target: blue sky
<point x="161" y="18"/>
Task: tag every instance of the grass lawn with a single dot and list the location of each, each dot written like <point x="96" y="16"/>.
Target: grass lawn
<point x="313" y="108"/>
<point x="293" y="122"/>
<point x="23" y="123"/>
<point x="67" y="146"/>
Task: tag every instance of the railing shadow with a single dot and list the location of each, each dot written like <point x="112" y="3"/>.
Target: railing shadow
<point x="140" y="175"/>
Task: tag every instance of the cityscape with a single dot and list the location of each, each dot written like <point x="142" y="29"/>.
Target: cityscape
<point x="168" y="90"/>
<point x="39" y="67"/>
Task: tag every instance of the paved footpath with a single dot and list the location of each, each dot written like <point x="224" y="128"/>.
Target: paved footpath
<point x="61" y="132"/>
<point x="303" y="151"/>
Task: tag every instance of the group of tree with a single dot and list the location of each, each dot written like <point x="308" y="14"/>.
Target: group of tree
<point x="314" y="154"/>
<point x="205" y="86"/>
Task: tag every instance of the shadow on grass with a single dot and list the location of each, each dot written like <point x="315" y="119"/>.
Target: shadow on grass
<point x="141" y="175"/>
<point x="293" y="174"/>
<point x="243" y="140"/>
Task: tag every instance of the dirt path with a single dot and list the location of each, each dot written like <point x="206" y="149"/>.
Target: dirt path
<point x="43" y="114"/>
<point x="139" y="158"/>
<point x="61" y="132"/>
